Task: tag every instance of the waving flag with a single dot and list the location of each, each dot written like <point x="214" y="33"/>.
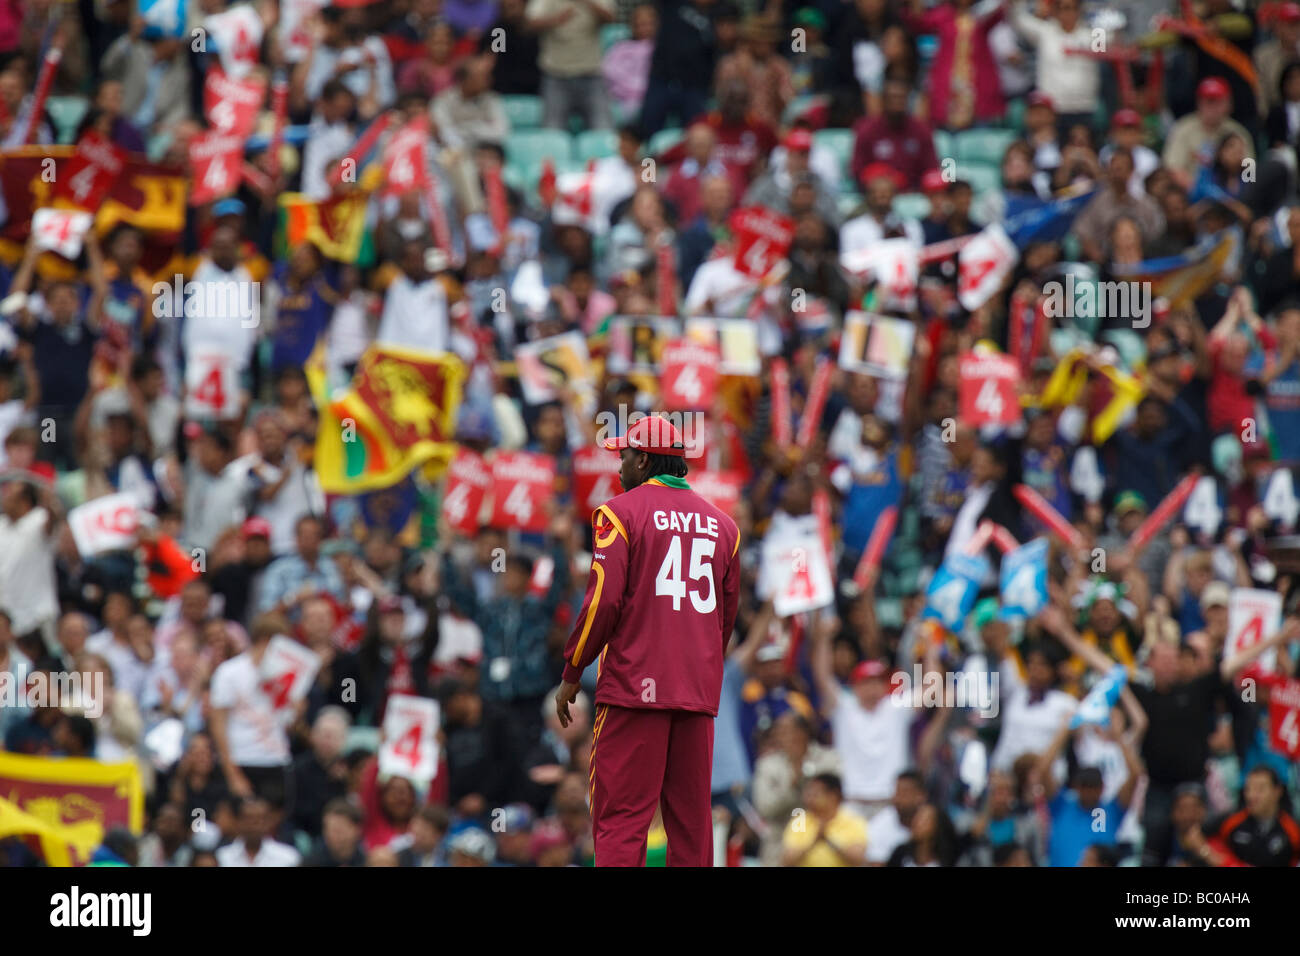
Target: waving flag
<point x="1095" y="708"/>
<point x="1182" y="278"/>
<point x="399" y="414"/>
<point x="1049" y="220"/>
<point x="336" y="226"/>
<point x="68" y="803"/>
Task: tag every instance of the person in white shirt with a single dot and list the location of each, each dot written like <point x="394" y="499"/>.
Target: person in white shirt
<point x="1033" y="712"/>
<point x="248" y="731"/>
<point x="878" y="221"/>
<point x="869" y="728"/>
<point x="255" y="846"/>
<point x="892" y="827"/>
<point x="222" y="308"/>
<point x="1071" y="79"/>
<point x="415" y="306"/>
<point x="282" y="487"/>
<point x="28" y="592"/>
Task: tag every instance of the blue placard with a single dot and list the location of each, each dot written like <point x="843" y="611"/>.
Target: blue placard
<point x="952" y="590"/>
<point x="163" y="18"/>
<point x="1024" y="580"/>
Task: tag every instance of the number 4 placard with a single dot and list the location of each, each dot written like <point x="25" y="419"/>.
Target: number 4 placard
<point x="287" y="671"/>
<point x="211" y="386"/>
<point x="1253" y="616"/>
<point x="410" y="747"/>
<point x="987" y="390"/>
<point x="522" y="483"/>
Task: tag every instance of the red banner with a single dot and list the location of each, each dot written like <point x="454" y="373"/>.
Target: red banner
<point x="762" y="239"/>
<point x="595" y="479"/>
<point x="468" y="481"/>
<point x="522" y="483"/>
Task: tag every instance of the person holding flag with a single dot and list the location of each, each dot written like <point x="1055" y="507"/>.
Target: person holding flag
<point x="661" y="649"/>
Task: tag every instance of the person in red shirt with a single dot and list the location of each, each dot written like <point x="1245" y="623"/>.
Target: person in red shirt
<point x="1229" y="401"/>
<point x="659" y="610"/>
<point x="895" y="138"/>
<point x="743" y="142"/>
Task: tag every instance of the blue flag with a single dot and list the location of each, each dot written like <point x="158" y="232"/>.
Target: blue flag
<point x="953" y="588"/>
<point x="163" y="18"/>
<point x="1047" y="221"/>
<point x="1024" y="580"/>
<point x="1095" y="708"/>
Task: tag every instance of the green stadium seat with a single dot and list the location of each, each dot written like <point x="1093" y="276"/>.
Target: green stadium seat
<point x="612" y="33"/>
<point x="595" y="144"/>
<point x="912" y="205"/>
<point x="523" y="112"/>
<point x="984" y="145"/>
<point x="533" y="145"/>
<point x="664" y="139"/>
<point x="981" y="176"/>
<point x="840" y="142"/>
<point x="66" y="112"/>
<point x="943" y="145"/>
<point x="1015" y="118"/>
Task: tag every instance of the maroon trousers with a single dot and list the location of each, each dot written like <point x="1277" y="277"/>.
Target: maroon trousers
<point x="643" y="759"/>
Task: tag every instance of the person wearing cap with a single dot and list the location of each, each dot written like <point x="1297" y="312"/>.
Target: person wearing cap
<point x="895" y="138"/>
<point x="237" y="581"/>
<point x="774" y="187"/>
<point x="1072" y="81"/>
<point x="471" y="847"/>
<point x="875" y="219"/>
<point x="869" y="729"/>
<point x="1191" y="142"/>
<point x="659" y="611"/>
<point x="1126" y="131"/>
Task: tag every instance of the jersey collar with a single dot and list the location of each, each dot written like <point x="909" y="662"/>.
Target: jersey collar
<point x="668" y="481"/>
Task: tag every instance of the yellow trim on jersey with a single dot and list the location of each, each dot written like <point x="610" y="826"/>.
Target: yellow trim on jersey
<point x="599" y="570"/>
<point x="735" y="548"/>
<point x="606" y="541"/>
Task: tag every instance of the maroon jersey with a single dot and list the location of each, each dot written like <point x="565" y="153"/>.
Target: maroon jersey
<point x="661" y="600"/>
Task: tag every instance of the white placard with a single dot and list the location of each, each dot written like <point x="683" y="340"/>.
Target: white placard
<point x="287" y="671"/>
<point x="1254" y="615"/>
<point x="105" y="524"/>
<point x="410" y="746"/>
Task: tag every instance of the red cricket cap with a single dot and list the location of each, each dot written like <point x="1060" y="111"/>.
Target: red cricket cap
<point x="879" y="170"/>
<point x="1288" y="13"/>
<point x="1212" y="88"/>
<point x="867" y="670"/>
<point x="798" y="139"/>
<point x="256" y="528"/>
<point x="652" y="434"/>
<point x="1126" y="118"/>
<point x="1039" y="98"/>
<point x="932" y="181"/>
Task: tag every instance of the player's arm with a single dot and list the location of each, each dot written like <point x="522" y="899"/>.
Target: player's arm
<point x="600" y="606"/>
<point x="730" y="595"/>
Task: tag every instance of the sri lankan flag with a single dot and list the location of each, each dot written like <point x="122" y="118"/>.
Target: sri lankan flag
<point x="1183" y="277"/>
<point x="336" y="226"/>
<point x="149" y="196"/>
<point x="399" y="414"/>
<point x="64" y="806"/>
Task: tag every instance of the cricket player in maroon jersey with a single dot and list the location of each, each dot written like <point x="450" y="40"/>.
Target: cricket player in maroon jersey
<point x="659" y="611"/>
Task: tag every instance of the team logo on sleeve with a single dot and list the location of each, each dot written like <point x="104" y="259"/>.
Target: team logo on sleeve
<point x="604" y="530"/>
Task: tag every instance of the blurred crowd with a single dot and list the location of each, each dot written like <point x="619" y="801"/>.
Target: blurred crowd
<point x="859" y="122"/>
